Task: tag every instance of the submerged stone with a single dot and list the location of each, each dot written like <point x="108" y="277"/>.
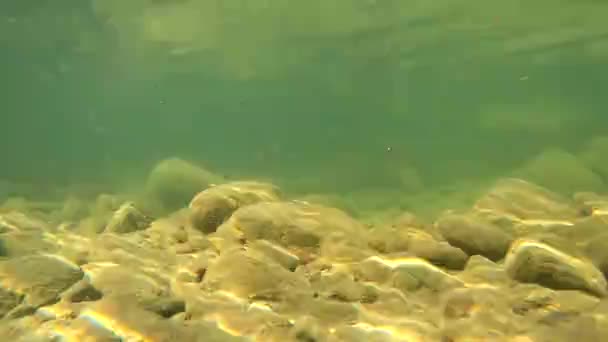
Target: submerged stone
<point x="418" y="243"/>
<point x="520" y="200"/>
<point x="305" y="230"/>
<point x="480" y="270"/>
<point x="406" y="274"/>
<point x="83" y="291"/>
<point x="594" y="156"/>
<point x="41" y="279"/>
<point x="127" y="219"/>
<point x="474" y="235"/>
<point x="211" y="207"/>
<point x="246" y="275"/>
<point x="560" y="171"/>
<point x="173" y="182"/>
<point x="534" y="262"/>
<point x="591" y="204"/>
<point x="597" y="250"/>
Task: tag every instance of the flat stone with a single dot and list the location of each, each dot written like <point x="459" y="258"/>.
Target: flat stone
<point x="128" y="322"/>
<point x="40" y="278"/>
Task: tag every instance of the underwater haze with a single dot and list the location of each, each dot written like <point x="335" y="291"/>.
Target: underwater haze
<point x="319" y="170"/>
<point x="319" y="96"/>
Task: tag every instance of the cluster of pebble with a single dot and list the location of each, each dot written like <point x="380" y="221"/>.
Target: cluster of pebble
<point x="243" y="263"/>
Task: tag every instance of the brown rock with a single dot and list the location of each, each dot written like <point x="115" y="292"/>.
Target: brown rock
<point x="597" y="250"/>
<point x="534" y="262"/>
<point x="406" y="274"/>
<point x="246" y="275"/>
<point x="211" y="207"/>
<point x="474" y="235"/>
<point x="40" y="278"/>
<point x="305" y="230"/>
<point x="127" y="219"/>
<point x="389" y="240"/>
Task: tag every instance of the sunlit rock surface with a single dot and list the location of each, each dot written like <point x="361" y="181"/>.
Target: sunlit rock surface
<point x="211" y="207"/>
<point x="243" y="264"/>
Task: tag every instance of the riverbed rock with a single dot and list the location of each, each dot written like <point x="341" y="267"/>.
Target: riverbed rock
<point x="476" y="313"/>
<point x="560" y="171"/>
<point x="40" y="279"/>
<point x="591" y="204"/>
<point x="530" y="261"/>
<point x="127" y="219"/>
<point x="597" y="250"/>
<point x="482" y="271"/>
<point x="173" y="182"/>
<point x="519" y="200"/>
<point x="304" y="229"/>
<point x="388" y="240"/>
<point x="82" y="291"/>
<point x="274" y="269"/>
<point x="246" y="275"/>
<point x="594" y="155"/>
<point x="73" y="209"/>
<point x="21" y="234"/>
<point x="211" y="207"/>
<point x="406" y="274"/>
<point x="540" y="304"/>
<point x="474" y="235"/>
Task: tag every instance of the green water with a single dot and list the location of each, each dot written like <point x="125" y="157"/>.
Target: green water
<point x="416" y="118"/>
<point x="317" y="96"/>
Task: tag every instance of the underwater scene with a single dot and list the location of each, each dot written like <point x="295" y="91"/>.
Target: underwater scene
<point x="309" y="171"/>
